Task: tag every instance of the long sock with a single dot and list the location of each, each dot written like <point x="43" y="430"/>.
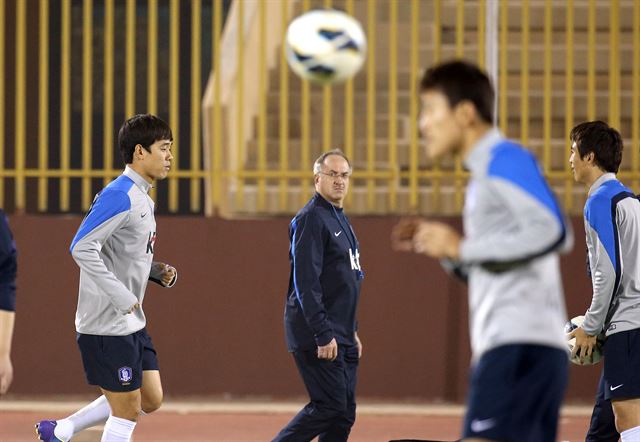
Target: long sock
<point x="117" y="430"/>
<point x="97" y="412"/>
<point x="631" y="435"/>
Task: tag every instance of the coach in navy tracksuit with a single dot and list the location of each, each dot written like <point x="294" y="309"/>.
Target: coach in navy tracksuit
<point x="320" y="311"/>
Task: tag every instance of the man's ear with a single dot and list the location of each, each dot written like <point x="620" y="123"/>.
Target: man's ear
<point x="466" y="112"/>
<point x="590" y="158"/>
<point x="138" y="151"/>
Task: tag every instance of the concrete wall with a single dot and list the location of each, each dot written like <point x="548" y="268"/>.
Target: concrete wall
<point x="219" y="331"/>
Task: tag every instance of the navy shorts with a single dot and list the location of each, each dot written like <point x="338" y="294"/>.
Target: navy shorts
<point x="622" y="365"/>
<point x="515" y="394"/>
<point x="116" y="363"/>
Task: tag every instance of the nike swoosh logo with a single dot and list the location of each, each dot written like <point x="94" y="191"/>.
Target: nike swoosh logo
<point x="337" y="233"/>
<point x="616" y="387"/>
<point x="143" y="215"/>
<point x="478" y="426"/>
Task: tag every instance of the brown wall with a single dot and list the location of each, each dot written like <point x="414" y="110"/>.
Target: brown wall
<point x="219" y="330"/>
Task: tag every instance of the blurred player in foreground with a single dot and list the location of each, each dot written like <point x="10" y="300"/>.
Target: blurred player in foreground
<point x="321" y="305"/>
<point x="114" y="250"/>
<point x="513" y="231"/>
<point x="612" y="225"/>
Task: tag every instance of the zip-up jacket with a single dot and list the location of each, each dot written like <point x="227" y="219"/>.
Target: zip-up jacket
<point x="114" y="250"/>
<point x="514" y="229"/>
<point x="325" y="277"/>
<point x="8" y="266"/>
<point x="612" y="225"/>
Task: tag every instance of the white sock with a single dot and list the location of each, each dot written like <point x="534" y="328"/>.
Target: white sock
<point x="117" y="430"/>
<point x="631" y="435"/>
<point x="97" y="412"/>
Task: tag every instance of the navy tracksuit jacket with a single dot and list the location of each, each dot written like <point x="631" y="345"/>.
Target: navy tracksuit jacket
<point x="324" y="284"/>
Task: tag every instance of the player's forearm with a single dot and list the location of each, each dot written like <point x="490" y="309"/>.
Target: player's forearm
<point x="7" y="320"/>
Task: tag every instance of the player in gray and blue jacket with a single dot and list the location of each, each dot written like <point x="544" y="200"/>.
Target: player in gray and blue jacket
<point x="114" y="249"/>
<point x="513" y="232"/>
<point x="612" y="225"/>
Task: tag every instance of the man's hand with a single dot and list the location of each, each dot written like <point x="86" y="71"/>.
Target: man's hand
<point x="329" y="351"/>
<point x="584" y="343"/>
<point x="403" y="233"/>
<point x="437" y="240"/>
<point x="6" y="374"/>
<point x="166" y="272"/>
<point x="358" y="344"/>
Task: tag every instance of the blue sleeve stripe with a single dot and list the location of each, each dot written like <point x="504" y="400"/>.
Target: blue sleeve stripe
<point x="513" y="163"/>
<point x="107" y="204"/>
<point x="294" y="225"/>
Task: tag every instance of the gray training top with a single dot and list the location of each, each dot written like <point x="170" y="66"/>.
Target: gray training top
<point x="114" y="250"/>
<point x="514" y="230"/>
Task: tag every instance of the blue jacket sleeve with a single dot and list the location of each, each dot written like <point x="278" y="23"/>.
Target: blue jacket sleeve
<point x="307" y="249"/>
<point x="8" y="266"/>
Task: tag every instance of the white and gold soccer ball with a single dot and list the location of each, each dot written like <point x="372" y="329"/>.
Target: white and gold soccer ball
<point x="325" y="46"/>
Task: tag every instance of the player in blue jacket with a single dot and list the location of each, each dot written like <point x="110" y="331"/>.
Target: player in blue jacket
<point x="612" y="227"/>
<point x="8" y="271"/>
<point x="513" y="233"/>
<point x="114" y="249"/>
<point x="320" y="309"/>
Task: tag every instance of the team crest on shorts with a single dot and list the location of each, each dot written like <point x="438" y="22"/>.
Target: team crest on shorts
<point x="125" y="374"/>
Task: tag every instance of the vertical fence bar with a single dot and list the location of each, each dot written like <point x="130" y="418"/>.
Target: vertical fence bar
<point x="482" y="23"/>
<point x="348" y="111"/>
<point x="614" y="64"/>
<point x="240" y="114"/>
<point x="546" y="105"/>
<point x="174" y="103"/>
<point x="65" y="103"/>
<point x="284" y="111"/>
<point x="2" y="95"/>
<point x="196" y="92"/>
<point x="371" y="102"/>
<point x="504" y="40"/>
<point x="304" y="129"/>
<point x="130" y="54"/>
<point x="524" y="75"/>
<point x="152" y="57"/>
<point x="216" y="168"/>
<point x="413" y="111"/>
<point x="43" y="104"/>
<point x="107" y="135"/>
<point x="87" y="100"/>
<point x="262" y="103"/>
<point x="20" y="103"/>
<point x="458" y="197"/>
<point x="591" y="60"/>
<point x="326" y="106"/>
<point x="635" y="96"/>
<point x="393" y="105"/>
<point x="437" y="56"/>
<point x="568" y="121"/>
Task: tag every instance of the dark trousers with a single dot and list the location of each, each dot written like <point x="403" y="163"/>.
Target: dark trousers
<point x="331" y="385"/>
<point x="603" y="423"/>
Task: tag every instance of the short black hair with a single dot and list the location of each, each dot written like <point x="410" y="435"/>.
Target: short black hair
<point x="142" y="129"/>
<point x="461" y="81"/>
<point x="603" y="140"/>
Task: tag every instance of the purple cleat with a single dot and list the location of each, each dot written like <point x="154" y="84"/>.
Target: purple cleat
<point x="44" y="430"/>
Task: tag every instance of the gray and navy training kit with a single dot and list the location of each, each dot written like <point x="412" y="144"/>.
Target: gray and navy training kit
<point x="514" y="231"/>
<point x="114" y="250"/>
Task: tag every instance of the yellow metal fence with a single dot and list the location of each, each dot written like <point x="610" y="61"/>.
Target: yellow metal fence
<point x="72" y="71"/>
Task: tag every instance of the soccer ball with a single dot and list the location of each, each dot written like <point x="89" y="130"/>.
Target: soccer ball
<point x="597" y="349"/>
<point x="325" y="46"/>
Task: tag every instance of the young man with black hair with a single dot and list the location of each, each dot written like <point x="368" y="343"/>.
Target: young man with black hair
<point x="513" y="232"/>
<point x="612" y="226"/>
<point x="114" y="249"/>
